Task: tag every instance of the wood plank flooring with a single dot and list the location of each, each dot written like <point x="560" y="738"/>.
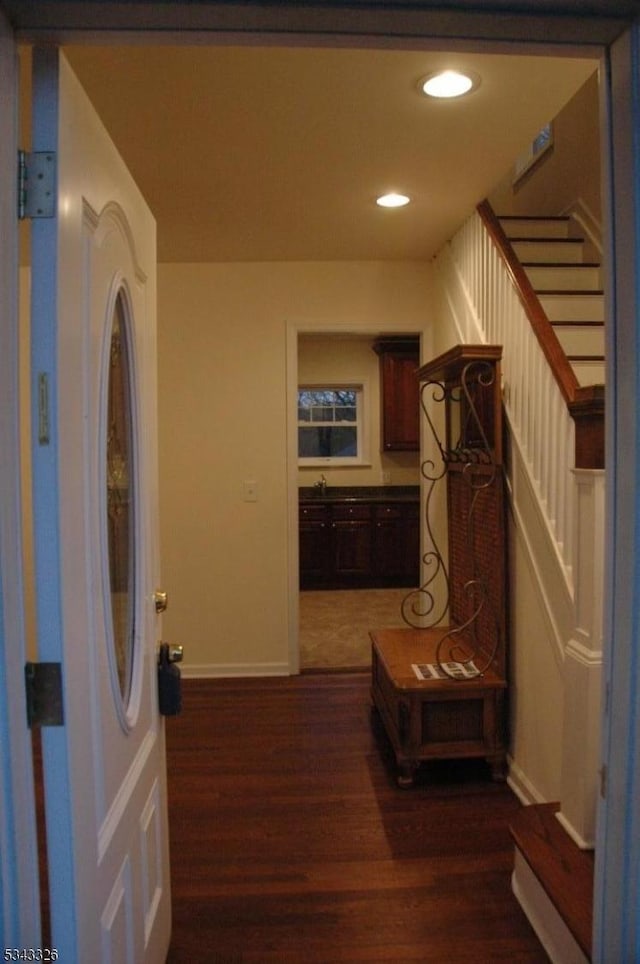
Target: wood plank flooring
<point x="291" y="842"/>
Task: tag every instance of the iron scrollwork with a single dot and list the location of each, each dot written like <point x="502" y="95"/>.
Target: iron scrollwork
<point x="419" y="608"/>
<point x="463" y="652"/>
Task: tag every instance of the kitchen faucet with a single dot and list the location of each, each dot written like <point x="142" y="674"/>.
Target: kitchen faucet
<point x="321" y="484"/>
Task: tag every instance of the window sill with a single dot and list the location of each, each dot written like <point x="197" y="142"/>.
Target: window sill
<point x="334" y="463"/>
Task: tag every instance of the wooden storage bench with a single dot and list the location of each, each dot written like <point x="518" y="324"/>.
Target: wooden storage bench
<point x="434" y="719"/>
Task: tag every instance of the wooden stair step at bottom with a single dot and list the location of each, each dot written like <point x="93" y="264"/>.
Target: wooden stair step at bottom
<point x="563" y="869"/>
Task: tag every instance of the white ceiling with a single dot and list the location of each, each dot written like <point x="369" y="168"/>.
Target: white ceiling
<point x="275" y="153"/>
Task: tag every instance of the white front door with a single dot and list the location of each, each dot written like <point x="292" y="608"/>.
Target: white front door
<point x="96" y="547"/>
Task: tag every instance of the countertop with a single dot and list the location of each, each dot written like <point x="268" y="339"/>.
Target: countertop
<point x="360" y="493"/>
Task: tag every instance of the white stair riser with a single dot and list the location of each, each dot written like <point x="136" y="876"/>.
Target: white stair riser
<point x="535" y="227"/>
<point x="580" y="341"/>
<point x="589" y="373"/>
<point x="559" y="307"/>
<point x="564" y="252"/>
<point x="565" y="278"/>
<point x="574" y="289"/>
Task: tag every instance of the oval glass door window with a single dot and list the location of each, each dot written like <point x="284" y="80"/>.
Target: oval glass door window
<point x="121" y="500"/>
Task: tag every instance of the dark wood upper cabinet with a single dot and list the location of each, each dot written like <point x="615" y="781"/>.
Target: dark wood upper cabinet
<point x="399" y="392"/>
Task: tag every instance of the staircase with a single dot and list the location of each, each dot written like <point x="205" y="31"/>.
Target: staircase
<point x="560" y="289"/>
<point x="533" y="287"/>
<point x="553" y="878"/>
<point x="568" y="287"/>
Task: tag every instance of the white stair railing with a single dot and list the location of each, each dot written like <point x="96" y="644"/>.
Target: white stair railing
<point x="485" y="306"/>
<point x="483" y="298"/>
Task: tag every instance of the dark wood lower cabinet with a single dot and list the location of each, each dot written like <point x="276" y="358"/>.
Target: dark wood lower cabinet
<point x="363" y="545"/>
<point x="396" y="537"/>
<point x="314" y="546"/>
<point x="352" y="543"/>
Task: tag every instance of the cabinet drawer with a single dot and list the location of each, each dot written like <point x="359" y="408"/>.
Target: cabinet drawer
<point x="348" y="512"/>
<point x="314" y="513"/>
<point x="407" y="511"/>
<point x="389" y="512"/>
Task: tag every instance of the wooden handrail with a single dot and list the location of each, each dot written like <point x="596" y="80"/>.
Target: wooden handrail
<point x="585" y="404"/>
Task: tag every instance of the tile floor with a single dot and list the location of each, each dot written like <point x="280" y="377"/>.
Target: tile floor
<point x="335" y="625"/>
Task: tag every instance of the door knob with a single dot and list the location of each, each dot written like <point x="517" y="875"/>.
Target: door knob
<point x="161" y="600"/>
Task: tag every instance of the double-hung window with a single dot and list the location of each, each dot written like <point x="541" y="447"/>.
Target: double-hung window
<point x="330" y="424"/>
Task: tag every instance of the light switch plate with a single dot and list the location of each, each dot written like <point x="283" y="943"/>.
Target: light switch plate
<point x="250" y="490"/>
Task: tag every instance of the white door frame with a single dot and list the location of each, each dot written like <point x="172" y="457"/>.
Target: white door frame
<point x="19" y="893"/>
<point x="619" y="840"/>
<point x="617" y="886"/>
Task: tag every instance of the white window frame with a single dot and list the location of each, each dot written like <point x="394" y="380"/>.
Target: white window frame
<point x="361" y="387"/>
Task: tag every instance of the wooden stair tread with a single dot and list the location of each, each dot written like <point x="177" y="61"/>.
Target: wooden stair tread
<point x="543" y="239"/>
<point x="533" y="217"/>
<point x="572" y="323"/>
<point x="564" y="871"/>
<point x="577" y="265"/>
<point x="569" y="291"/>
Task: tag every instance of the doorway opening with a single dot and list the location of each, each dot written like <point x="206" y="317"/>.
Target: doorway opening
<point x="359" y="524"/>
<point x="294" y="530"/>
<point x="312" y="246"/>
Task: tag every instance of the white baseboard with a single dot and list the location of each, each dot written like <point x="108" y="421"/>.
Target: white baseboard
<point x="231" y="670"/>
<point x="524" y="790"/>
<point x="584" y="843"/>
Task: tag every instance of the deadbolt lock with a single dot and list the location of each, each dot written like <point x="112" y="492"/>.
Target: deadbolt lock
<point x="161" y="600"/>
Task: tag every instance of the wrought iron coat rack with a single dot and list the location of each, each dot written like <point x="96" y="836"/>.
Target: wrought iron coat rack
<point x="470" y="589"/>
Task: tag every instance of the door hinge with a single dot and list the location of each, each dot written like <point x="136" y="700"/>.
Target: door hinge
<point x="43" y="684"/>
<point x="36" y="184"/>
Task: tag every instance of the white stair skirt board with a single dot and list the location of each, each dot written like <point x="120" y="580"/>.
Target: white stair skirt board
<point x="553" y="933"/>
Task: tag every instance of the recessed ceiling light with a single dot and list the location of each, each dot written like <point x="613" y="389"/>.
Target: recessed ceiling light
<point x="448" y="83"/>
<point x="393" y="200"/>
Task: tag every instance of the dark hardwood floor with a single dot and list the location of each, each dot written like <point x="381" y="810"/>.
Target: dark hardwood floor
<point x="290" y="841"/>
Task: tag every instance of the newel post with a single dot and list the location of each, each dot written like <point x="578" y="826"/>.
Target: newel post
<point x="583" y="666"/>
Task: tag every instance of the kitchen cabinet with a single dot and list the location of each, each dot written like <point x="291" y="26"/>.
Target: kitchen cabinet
<point x="359" y="543"/>
<point x="352" y="544"/>
<point x="396" y="548"/>
<point x="314" y="545"/>
<point x="399" y="393"/>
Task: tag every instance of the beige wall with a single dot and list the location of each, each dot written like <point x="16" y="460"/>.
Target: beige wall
<point x="329" y="359"/>
<point x="223" y="336"/>
<point x="569" y="173"/>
